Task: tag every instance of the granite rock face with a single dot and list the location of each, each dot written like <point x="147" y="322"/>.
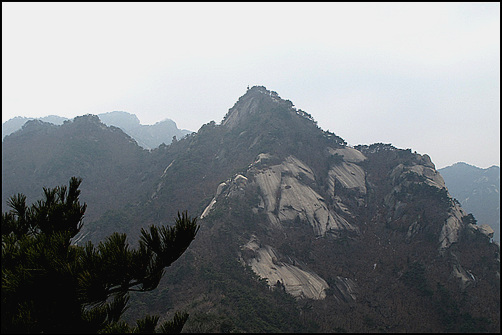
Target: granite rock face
<point x="288" y="192"/>
<point x="264" y="260"/>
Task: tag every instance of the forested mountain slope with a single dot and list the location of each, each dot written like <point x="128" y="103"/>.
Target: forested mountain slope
<point x="147" y="136"/>
<point x="299" y="232"/>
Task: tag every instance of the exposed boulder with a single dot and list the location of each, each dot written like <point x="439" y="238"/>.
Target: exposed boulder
<point x="425" y="173"/>
<point x="298" y="282"/>
<point x="484" y="229"/>
<point x="349" y="154"/>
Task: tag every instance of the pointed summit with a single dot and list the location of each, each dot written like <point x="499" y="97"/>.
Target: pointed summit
<point x="264" y="112"/>
<point x="257" y="100"/>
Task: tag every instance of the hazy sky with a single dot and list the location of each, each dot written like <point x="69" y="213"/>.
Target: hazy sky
<point x="424" y="76"/>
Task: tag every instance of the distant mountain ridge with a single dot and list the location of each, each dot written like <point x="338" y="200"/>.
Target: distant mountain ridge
<point x="16" y="123"/>
<point x="147" y="136"/>
<point x="477" y="190"/>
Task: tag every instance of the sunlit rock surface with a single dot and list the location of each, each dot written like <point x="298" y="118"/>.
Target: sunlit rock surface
<point x="265" y="262"/>
<point x="349" y="154"/>
<point x="287" y="196"/>
<point x="349" y="175"/>
<point x="430" y="175"/>
<point x="451" y="228"/>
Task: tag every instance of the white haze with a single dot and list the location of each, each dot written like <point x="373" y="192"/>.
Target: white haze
<point x="424" y="76"/>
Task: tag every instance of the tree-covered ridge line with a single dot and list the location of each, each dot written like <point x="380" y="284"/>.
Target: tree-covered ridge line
<point x="147" y="136"/>
<point x="51" y="285"/>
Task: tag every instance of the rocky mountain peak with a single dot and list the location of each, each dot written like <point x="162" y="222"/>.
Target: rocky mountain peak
<point x="257" y="101"/>
<point x="370" y="232"/>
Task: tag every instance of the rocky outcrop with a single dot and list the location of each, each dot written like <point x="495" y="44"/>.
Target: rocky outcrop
<point x="288" y="192"/>
<point x="293" y="275"/>
<point x="451" y="228"/>
<point x="486" y="230"/>
<point x="426" y="174"/>
<point x="349" y="154"/>
<point x="422" y="172"/>
<point x="349" y="175"/>
<point x="287" y="195"/>
<point x="264" y="260"/>
<point x="231" y="186"/>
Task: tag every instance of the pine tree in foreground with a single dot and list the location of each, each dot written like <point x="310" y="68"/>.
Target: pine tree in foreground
<point x="50" y="285"/>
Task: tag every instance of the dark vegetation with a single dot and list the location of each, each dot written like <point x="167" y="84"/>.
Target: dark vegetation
<point x="51" y="285"/>
<point x="115" y="170"/>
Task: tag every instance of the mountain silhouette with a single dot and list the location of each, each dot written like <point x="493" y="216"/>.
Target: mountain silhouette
<point x="300" y="232"/>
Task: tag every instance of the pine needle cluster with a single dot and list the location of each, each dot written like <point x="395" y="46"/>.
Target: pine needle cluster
<point x="51" y="285"/>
